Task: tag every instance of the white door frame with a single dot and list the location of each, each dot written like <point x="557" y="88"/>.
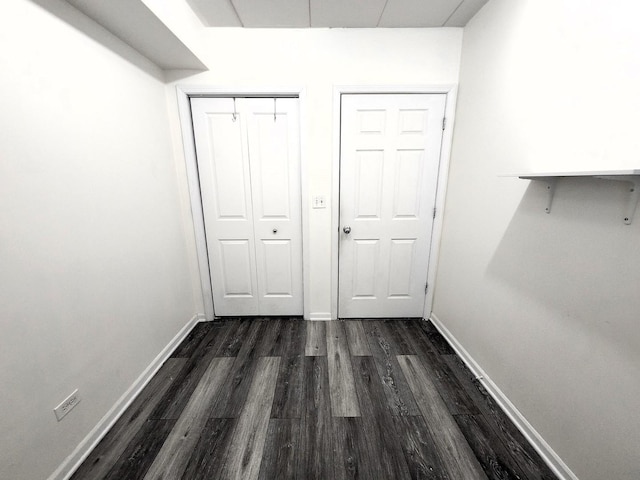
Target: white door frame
<point x="450" y="90"/>
<point x="184" y="94"/>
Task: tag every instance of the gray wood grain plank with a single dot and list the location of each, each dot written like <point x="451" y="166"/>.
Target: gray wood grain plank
<point x="233" y="341"/>
<point x="453" y="449"/>
<point x="210" y="453"/>
<point x="288" y="401"/>
<point x="239" y="379"/>
<point x="492" y="455"/>
<point x="172" y="459"/>
<point x="189" y="344"/>
<point x="316" y="345"/>
<point x="386" y="452"/>
<point x="104" y="456"/>
<point x="140" y="452"/>
<point x="280" y="459"/>
<point x="342" y="389"/>
<point x="356" y="338"/>
<point x="529" y="461"/>
<point x="293" y="337"/>
<point x="175" y="399"/>
<point x="454" y="395"/>
<point x="353" y="456"/>
<point x="435" y="337"/>
<point x="316" y="424"/>
<point x="269" y="344"/>
<point x="247" y="443"/>
<point x="468" y="382"/>
<point x="419" y="449"/>
<point x="389" y="331"/>
<point x="384" y="348"/>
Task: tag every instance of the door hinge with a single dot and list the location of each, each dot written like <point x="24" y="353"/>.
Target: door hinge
<point x="426" y="288"/>
<point x="444" y="123"/>
<point x="434" y="213"/>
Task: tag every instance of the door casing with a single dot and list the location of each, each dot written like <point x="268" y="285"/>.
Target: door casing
<point x="184" y="93"/>
<point x="450" y="90"/>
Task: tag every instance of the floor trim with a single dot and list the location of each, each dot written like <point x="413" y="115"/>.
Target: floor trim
<point x="320" y="316"/>
<point x="86" y="446"/>
<point x="542" y="447"/>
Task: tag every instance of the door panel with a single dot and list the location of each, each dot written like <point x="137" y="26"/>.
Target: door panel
<point x="236" y="268"/>
<point x="225" y="186"/>
<point x="249" y="170"/>
<point x="228" y="178"/>
<point x="368" y="184"/>
<point x="275" y="176"/>
<point x="365" y="267"/>
<point x="390" y="153"/>
<point x="401" y="258"/>
<point x="406" y="198"/>
<point x="278" y="275"/>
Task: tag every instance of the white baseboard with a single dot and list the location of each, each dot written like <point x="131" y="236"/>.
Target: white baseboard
<point x="86" y="446"/>
<point x="320" y="316"/>
<point x="542" y="447"/>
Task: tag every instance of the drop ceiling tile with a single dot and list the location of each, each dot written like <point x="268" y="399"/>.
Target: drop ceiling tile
<point x="417" y="13"/>
<point x="346" y="13"/>
<point x="215" y="13"/>
<point x="273" y="13"/>
<point x="465" y="12"/>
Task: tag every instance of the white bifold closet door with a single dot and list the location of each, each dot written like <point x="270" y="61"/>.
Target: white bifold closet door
<point x="248" y="152"/>
<point x="389" y="160"/>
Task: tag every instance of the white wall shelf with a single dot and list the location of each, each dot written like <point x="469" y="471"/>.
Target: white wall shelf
<point x="550" y="179"/>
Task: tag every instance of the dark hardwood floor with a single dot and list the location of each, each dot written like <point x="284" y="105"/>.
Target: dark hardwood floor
<point x="283" y="398"/>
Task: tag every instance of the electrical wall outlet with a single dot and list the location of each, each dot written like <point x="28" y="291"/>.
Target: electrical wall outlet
<point x="67" y="405"/>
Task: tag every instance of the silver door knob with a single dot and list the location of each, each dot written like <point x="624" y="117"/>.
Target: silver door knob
<point x="346" y="230"/>
<point x="275" y="230"/>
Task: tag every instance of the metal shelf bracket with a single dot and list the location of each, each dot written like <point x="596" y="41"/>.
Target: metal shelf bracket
<point x="550" y="183"/>
<point x="634" y="194"/>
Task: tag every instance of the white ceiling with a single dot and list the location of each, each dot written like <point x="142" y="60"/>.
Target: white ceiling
<point x="336" y="13"/>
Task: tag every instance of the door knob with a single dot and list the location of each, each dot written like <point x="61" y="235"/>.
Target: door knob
<point x="346" y="230"/>
<point x="275" y="230"/>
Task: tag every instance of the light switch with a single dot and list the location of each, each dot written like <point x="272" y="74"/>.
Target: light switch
<point x="319" y="201"/>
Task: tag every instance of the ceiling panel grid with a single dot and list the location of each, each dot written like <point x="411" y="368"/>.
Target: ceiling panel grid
<point x="335" y="13"/>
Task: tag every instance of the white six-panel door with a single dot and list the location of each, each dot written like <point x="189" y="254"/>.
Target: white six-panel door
<point x="249" y="169"/>
<point x="389" y="159"/>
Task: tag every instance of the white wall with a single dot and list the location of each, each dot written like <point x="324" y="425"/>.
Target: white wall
<point x="94" y="275"/>
<point x="548" y="304"/>
<point x="319" y="59"/>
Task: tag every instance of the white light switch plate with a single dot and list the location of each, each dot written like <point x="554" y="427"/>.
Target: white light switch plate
<point x="319" y="201"/>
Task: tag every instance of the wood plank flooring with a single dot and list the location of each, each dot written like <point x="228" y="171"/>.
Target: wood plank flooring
<point x="280" y="398"/>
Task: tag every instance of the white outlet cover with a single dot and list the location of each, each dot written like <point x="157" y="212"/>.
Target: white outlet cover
<point x="67" y="405"/>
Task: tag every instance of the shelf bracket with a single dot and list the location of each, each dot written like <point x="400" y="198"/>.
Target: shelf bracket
<point x="634" y="194"/>
<point x="550" y="184"/>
